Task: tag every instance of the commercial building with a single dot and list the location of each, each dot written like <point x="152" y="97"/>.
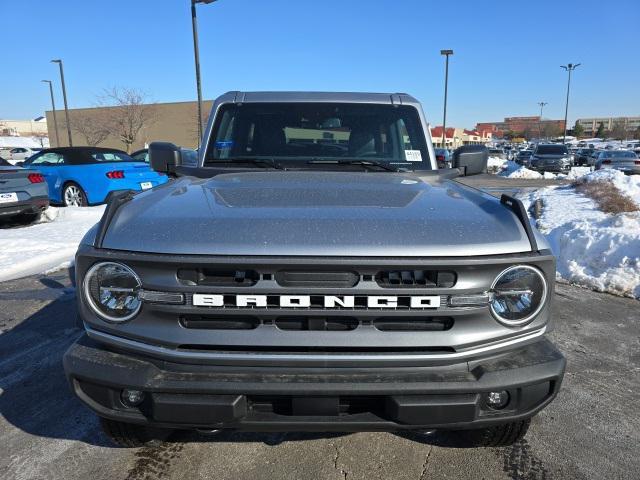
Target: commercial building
<point x="590" y="125"/>
<point x="24" y="128"/>
<point x="174" y="122"/>
<point x="457" y="137"/>
<point x="523" y="126"/>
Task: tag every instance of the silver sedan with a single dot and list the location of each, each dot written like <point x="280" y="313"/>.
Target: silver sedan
<point x="624" y="160"/>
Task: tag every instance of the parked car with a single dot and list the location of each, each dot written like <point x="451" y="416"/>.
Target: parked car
<point x="524" y="157"/>
<point x="624" y="160"/>
<point x="225" y="299"/>
<point x="80" y="176"/>
<point x="498" y="152"/>
<point x="443" y="157"/>
<point x="551" y="157"/>
<point x="22" y="191"/>
<point x="582" y="156"/>
<point x="189" y="156"/>
<point x="20" y="154"/>
<point x="141" y="155"/>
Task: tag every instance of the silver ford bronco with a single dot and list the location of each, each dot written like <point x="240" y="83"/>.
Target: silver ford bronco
<point x="313" y="270"/>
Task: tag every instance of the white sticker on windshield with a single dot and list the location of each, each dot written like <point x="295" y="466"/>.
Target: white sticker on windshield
<point x="413" y="155"/>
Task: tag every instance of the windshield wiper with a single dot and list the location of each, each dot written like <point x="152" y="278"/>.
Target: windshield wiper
<point x="261" y="162"/>
<point x="364" y="163"/>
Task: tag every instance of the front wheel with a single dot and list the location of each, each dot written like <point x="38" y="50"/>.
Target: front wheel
<point x="74" y="196"/>
<point x="131" y="436"/>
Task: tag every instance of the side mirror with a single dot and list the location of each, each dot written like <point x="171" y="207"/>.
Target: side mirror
<point x="164" y="157"/>
<point x="471" y="159"/>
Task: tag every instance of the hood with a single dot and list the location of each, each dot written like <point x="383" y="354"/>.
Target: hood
<point x="316" y="213"/>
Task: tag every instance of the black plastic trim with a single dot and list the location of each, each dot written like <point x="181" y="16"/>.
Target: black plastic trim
<point x="517" y="207"/>
<point x="114" y="201"/>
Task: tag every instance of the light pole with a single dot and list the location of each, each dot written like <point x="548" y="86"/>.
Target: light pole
<point x="196" y="54"/>
<point x="64" y="97"/>
<point x="542" y="104"/>
<point x="570" y="67"/>
<point x="53" y="108"/>
<point x="446" y="53"/>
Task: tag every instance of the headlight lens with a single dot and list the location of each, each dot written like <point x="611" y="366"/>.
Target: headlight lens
<point x="112" y="291"/>
<point x="517" y="295"/>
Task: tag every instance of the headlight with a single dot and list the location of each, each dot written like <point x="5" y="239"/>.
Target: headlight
<point x="517" y="295"/>
<point x="112" y="291"/>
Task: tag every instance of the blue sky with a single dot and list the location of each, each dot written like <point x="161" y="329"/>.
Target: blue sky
<point x="507" y="53"/>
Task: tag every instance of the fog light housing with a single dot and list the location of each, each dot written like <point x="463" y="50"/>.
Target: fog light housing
<point x="132" y="398"/>
<point x="498" y="400"/>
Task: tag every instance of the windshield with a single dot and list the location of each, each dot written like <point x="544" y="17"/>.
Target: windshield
<point x="619" y="154"/>
<point x="552" y="150"/>
<point x="296" y="133"/>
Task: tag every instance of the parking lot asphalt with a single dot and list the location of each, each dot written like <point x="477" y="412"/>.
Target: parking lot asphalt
<point x="590" y="431"/>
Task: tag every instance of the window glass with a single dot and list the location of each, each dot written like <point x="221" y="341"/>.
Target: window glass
<point x="49" y="158"/>
<point x="110" y="156"/>
<point x="299" y="132"/>
<point x="552" y="150"/>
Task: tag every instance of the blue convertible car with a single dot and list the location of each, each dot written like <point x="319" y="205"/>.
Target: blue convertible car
<point x="79" y="176"/>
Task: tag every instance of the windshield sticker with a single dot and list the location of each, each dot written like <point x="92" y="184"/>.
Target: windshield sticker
<point x="224" y="145"/>
<point x="413" y="155"/>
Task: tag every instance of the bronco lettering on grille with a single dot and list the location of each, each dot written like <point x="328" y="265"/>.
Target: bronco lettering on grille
<point x="305" y="301"/>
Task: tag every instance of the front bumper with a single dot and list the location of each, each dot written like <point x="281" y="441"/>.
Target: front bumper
<point x="315" y="399"/>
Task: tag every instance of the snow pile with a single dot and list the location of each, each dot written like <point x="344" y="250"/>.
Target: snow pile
<point x="627" y="184"/>
<point x="593" y="249"/>
<point x="47" y="245"/>
<point x="514" y="170"/>
<point x="496" y="164"/>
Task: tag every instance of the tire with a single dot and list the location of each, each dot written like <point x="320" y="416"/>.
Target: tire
<point x="496" y="436"/>
<point x="73" y="195"/>
<point x="128" y="435"/>
<point x="28" y="218"/>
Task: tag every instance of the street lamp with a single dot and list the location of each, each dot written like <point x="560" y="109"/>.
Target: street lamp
<point x="196" y="54"/>
<point x="53" y="108"/>
<point x="570" y="67"/>
<point x="446" y="53"/>
<point x="542" y="104"/>
<point x="64" y="97"/>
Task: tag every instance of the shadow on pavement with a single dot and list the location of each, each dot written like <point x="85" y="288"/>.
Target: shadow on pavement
<point x="34" y="394"/>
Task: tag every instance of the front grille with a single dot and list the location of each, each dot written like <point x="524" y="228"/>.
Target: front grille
<point x="328" y="324"/>
<point x="218" y="278"/>
<point x="293" y="278"/>
<point x="415" y="278"/>
<point x="402" y="324"/>
<point x="317" y="323"/>
<point x="212" y="322"/>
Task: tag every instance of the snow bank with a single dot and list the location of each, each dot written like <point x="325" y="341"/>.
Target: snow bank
<point x="496" y="164"/>
<point x="514" y="170"/>
<point x="45" y="246"/>
<point x="593" y="249"/>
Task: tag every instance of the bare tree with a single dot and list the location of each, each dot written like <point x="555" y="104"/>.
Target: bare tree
<point x="92" y="128"/>
<point x="619" y="132"/>
<point x="128" y="113"/>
